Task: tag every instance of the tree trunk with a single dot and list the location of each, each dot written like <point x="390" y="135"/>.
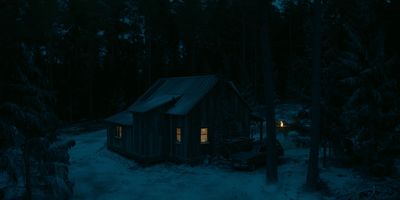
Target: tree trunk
<point x="91" y="93"/>
<point x="261" y="132"/>
<point x="243" y="69"/>
<point x="325" y="152"/>
<point x="193" y="59"/>
<point x="266" y="64"/>
<point x="27" y="169"/>
<point x="149" y="39"/>
<point x="313" y="171"/>
<point x="192" y="46"/>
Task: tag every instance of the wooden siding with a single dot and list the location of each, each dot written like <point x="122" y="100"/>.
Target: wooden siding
<point x="177" y="151"/>
<point x="119" y="145"/>
<point x="152" y="136"/>
<point x="223" y="113"/>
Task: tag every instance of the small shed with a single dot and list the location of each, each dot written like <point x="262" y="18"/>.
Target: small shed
<point x="180" y="119"/>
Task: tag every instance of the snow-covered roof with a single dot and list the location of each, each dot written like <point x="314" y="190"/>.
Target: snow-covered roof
<point x="186" y="91"/>
<point x="124" y="118"/>
<point x="153" y="103"/>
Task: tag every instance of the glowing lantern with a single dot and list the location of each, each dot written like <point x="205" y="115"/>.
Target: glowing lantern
<point x="282" y="125"/>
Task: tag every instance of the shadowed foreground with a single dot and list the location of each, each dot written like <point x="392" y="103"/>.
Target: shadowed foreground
<point x="101" y="174"/>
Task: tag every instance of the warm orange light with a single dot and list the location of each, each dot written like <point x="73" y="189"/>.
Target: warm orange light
<point x="178" y="135"/>
<point x="204" y="135"/>
<point x="281" y="124"/>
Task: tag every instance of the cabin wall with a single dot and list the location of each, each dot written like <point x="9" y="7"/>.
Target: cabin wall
<point x="156" y="130"/>
<point x="177" y="150"/>
<point x="202" y="116"/>
<point x="223" y="113"/>
<point x="150" y="141"/>
<point x="152" y="136"/>
<point x="120" y="145"/>
<point x="231" y="113"/>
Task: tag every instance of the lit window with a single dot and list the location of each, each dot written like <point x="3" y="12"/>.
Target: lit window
<point x="118" y="132"/>
<point x="178" y="135"/>
<point x="204" y="135"/>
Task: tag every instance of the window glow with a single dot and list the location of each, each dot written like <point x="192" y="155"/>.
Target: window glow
<point x="178" y="135"/>
<point x="204" y="135"/>
<point x="118" y="132"/>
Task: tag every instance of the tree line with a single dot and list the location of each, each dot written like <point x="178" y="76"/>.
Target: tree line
<point x="69" y="60"/>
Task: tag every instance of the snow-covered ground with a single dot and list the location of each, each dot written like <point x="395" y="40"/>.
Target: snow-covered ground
<point x="101" y="174"/>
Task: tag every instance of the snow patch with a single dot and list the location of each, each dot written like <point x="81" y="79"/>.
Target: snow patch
<point x="101" y="174"/>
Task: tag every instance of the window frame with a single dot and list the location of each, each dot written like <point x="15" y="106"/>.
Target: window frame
<point x="178" y="140"/>
<point x="118" y="132"/>
<point x="207" y="141"/>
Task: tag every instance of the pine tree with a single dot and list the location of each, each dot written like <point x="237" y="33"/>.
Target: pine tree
<point x="30" y="153"/>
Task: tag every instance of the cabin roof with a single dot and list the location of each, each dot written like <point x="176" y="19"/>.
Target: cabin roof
<point x="124" y="118"/>
<point x="186" y="91"/>
<point x="154" y="102"/>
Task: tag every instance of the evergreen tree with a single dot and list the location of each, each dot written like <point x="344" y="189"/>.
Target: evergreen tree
<point x="30" y="152"/>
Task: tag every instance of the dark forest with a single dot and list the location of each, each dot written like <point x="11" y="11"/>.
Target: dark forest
<point x="66" y="65"/>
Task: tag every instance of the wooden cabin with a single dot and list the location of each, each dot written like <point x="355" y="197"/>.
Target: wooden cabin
<point x="180" y="119"/>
